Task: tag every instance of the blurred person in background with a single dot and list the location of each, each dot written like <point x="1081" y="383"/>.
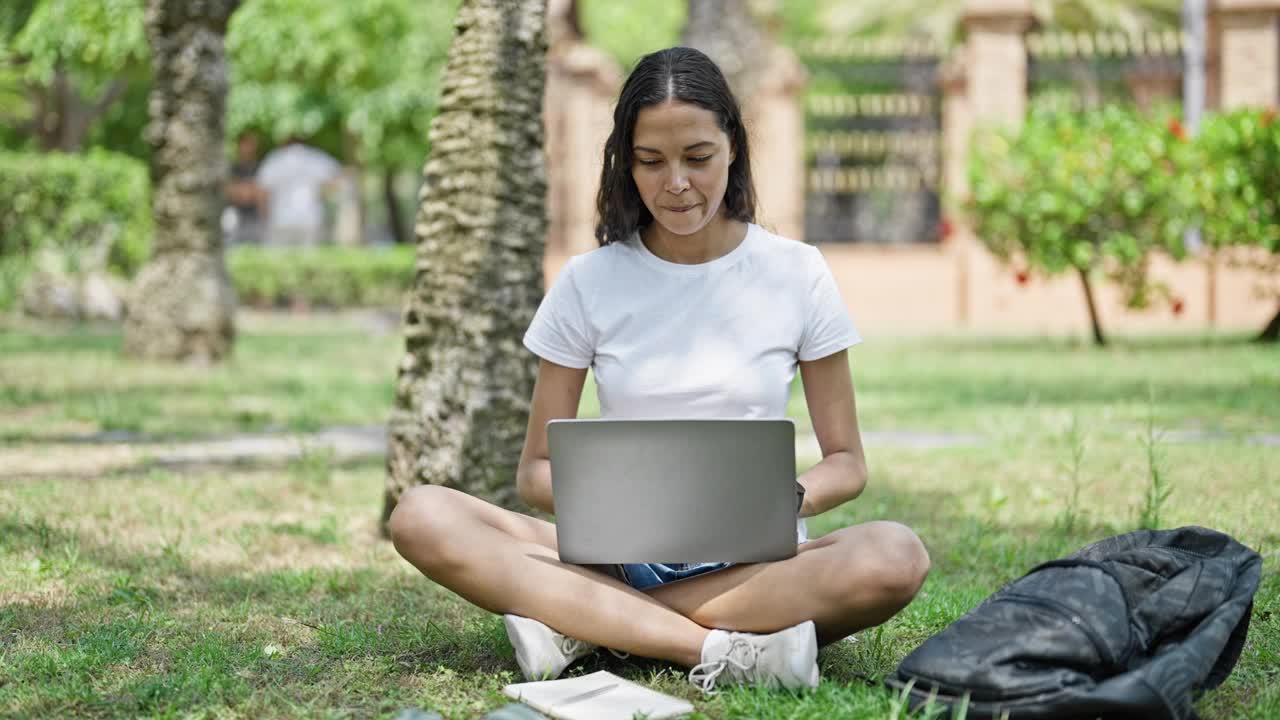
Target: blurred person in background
<point x="297" y="178"/>
<point x="246" y="199"/>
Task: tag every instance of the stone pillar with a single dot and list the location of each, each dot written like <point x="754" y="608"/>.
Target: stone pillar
<point x="1243" y="54"/>
<point x="956" y="127"/>
<point x="582" y="84"/>
<point x="989" y="89"/>
<point x="767" y="80"/>
<point x="775" y="125"/>
<point x="996" y="59"/>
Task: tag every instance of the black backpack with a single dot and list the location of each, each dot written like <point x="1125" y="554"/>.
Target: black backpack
<point x="1134" y="626"/>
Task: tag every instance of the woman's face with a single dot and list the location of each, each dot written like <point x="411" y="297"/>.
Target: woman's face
<point x="680" y="164"/>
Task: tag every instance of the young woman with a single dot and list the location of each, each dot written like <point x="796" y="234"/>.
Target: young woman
<point x="688" y="309"/>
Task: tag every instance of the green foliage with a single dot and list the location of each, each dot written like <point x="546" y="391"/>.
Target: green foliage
<point x="337" y="72"/>
<point x="1240" y="179"/>
<point x="120" y="128"/>
<point x="15" y="107"/>
<point x="1099" y="189"/>
<point x="70" y="60"/>
<point x="66" y="202"/>
<point x="629" y="30"/>
<point x="15" y="104"/>
<point x="93" y="40"/>
<point x="13" y="15"/>
<point x="323" y="276"/>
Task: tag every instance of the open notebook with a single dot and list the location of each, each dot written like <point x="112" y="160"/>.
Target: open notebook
<point x="598" y="696"/>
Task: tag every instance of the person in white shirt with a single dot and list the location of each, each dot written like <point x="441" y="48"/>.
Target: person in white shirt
<point x="296" y="179"/>
<point x="688" y="309"/>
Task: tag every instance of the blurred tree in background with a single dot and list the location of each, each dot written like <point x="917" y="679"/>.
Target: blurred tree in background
<point x="74" y="60"/>
<point x="359" y="80"/>
<point x="182" y="305"/>
<point x="629" y="30"/>
<point x="1090" y="192"/>
<point x="731" y="35"/>
<point x="1240" y="193"/>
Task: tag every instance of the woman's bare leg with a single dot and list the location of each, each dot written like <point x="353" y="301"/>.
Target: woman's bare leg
<point x="851" y="579"/>
<point x="505" y="562"/>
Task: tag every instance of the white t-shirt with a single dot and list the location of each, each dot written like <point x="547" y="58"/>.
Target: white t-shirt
<point x="719" y="339"/>
<point x="293" y="176"/>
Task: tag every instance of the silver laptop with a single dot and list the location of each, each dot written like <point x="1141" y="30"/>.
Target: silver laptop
<point x="673" y="491"/>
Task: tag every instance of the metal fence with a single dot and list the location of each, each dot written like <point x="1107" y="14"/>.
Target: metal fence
<point x="1082" y="71"/>
<point x="873" y="141"/>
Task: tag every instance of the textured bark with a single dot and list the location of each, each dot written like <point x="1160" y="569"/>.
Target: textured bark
<point x="464" y="386"/>
<point x="728" y="33"/>
<point x="182" y="304"/>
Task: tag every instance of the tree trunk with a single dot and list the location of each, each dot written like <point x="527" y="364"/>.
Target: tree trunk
<point x="1098" y="337"/>
<point x="1271" y="333"/>
<point x="182" y="305"/>
<point x="395" y="222"/>
<point x="465" y="381"/>
<point x="349" y="222"/>
<point x="726" y="31"/>
<point x="63" y="118"/>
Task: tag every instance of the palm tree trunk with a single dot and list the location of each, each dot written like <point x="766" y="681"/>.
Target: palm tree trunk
<point x="1098" y="338"/>
<point x="182" y="305"/>
<point x="465" y="381"/>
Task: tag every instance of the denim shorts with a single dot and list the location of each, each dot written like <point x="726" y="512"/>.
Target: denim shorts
<point x="643" y="576"/>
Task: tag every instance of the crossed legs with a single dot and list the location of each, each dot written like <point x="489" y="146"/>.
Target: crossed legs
<point x="506" y="562"/>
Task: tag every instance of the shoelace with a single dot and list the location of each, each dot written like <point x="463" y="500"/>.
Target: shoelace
<point x="704" y="676"/>
<point x="572" y="646"/>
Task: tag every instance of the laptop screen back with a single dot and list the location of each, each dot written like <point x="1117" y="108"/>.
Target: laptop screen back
<point x="673" y="491"/>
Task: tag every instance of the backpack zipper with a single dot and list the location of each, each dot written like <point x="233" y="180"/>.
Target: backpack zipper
<point x="1072" y="616"/>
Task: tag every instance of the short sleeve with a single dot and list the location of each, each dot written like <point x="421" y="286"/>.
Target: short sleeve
<point x="325" y="166"/>
<point x="559" y="331"/>
<point x="828" y="327"/>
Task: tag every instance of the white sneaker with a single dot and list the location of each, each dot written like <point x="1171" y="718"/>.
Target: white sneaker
<point x="542" y="653"/>
<point x="787" y="658"/>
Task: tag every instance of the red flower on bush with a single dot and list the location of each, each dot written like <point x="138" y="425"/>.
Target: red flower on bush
<point x="1022" y="276"/>
<point x="1177" y="130"/>
<point x="1268" y="117"/>
<point x="1178" y="306"/>
<point x="946" y="229"/>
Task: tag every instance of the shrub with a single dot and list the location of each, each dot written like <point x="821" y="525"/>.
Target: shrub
<point x="324" y="276"/>
<point x="1085" y="191"/>
<point x="70" y="200"/>
<point x="1239" y="184"/>
<point x="1240" y="181"/>
<point x="66" y="203"/>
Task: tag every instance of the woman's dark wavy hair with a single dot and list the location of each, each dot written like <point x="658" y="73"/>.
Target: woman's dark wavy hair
<point x="683" y="74"/>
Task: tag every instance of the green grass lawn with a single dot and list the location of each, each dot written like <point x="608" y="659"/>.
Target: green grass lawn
<point x="266" y="592"/>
